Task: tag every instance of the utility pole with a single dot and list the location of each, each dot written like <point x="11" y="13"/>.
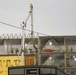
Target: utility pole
<point x="23" y="32"/>
<point x="23" y="43"/>
<point x="31" y="11"/>
<point x="32" y="33"/>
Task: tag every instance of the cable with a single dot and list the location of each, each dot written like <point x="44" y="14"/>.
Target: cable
<point x="21" y="28"/>
<point x="10" y="25"/>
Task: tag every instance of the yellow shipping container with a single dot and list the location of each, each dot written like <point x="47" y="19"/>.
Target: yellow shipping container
<point x="7" y="61"/>
<point x="13" y="60"/>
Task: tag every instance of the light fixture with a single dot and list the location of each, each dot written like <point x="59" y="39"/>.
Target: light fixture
<point x="75" y="59"/>
<point x="50" y="43"/>
<point x="50" y="58"/>
<point x="26" y="44"/>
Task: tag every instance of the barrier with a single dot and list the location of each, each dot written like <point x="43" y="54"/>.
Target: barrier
<point x="35" y="70"/>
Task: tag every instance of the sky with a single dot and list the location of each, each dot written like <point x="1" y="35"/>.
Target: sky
<point x="51" y="17"/>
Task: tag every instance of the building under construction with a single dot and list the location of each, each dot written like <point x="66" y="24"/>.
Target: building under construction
<point x="33" y="50"/>
<point x="59" y="51"/>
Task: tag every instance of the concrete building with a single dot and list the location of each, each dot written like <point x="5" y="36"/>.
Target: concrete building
<point x="40" y="50"/>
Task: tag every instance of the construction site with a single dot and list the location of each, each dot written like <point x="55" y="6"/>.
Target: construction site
<point x="36" y="53"/>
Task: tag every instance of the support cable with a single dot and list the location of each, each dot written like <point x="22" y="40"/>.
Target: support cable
<point x="24" y="29"/>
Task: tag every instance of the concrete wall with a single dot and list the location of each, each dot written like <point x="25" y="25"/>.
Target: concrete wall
<point x="2" y="48"/>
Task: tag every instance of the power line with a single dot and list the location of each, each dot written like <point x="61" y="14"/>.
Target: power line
<point x="21" y="28"/>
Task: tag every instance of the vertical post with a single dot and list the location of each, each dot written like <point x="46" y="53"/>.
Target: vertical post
<point x="39" y="43"/>
<point x="39" y="55"/>
<point x="65" y="53"/>
<point x="32" y="33"/>
<point x="23" y="33"/>
<point x="5" y="44"/>
<point x="23" y="47"/>
<point x="31" y="11"/>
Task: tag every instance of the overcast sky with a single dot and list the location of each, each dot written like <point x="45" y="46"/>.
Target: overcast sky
<point x="53" y="17"/>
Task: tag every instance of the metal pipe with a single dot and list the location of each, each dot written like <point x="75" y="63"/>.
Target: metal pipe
<point x="31" y="11"/>
<point x="23" y="32"/>
<point x="6" y="46"/>
<point x="65" y="64"/>
<point x="23" y="47"/>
